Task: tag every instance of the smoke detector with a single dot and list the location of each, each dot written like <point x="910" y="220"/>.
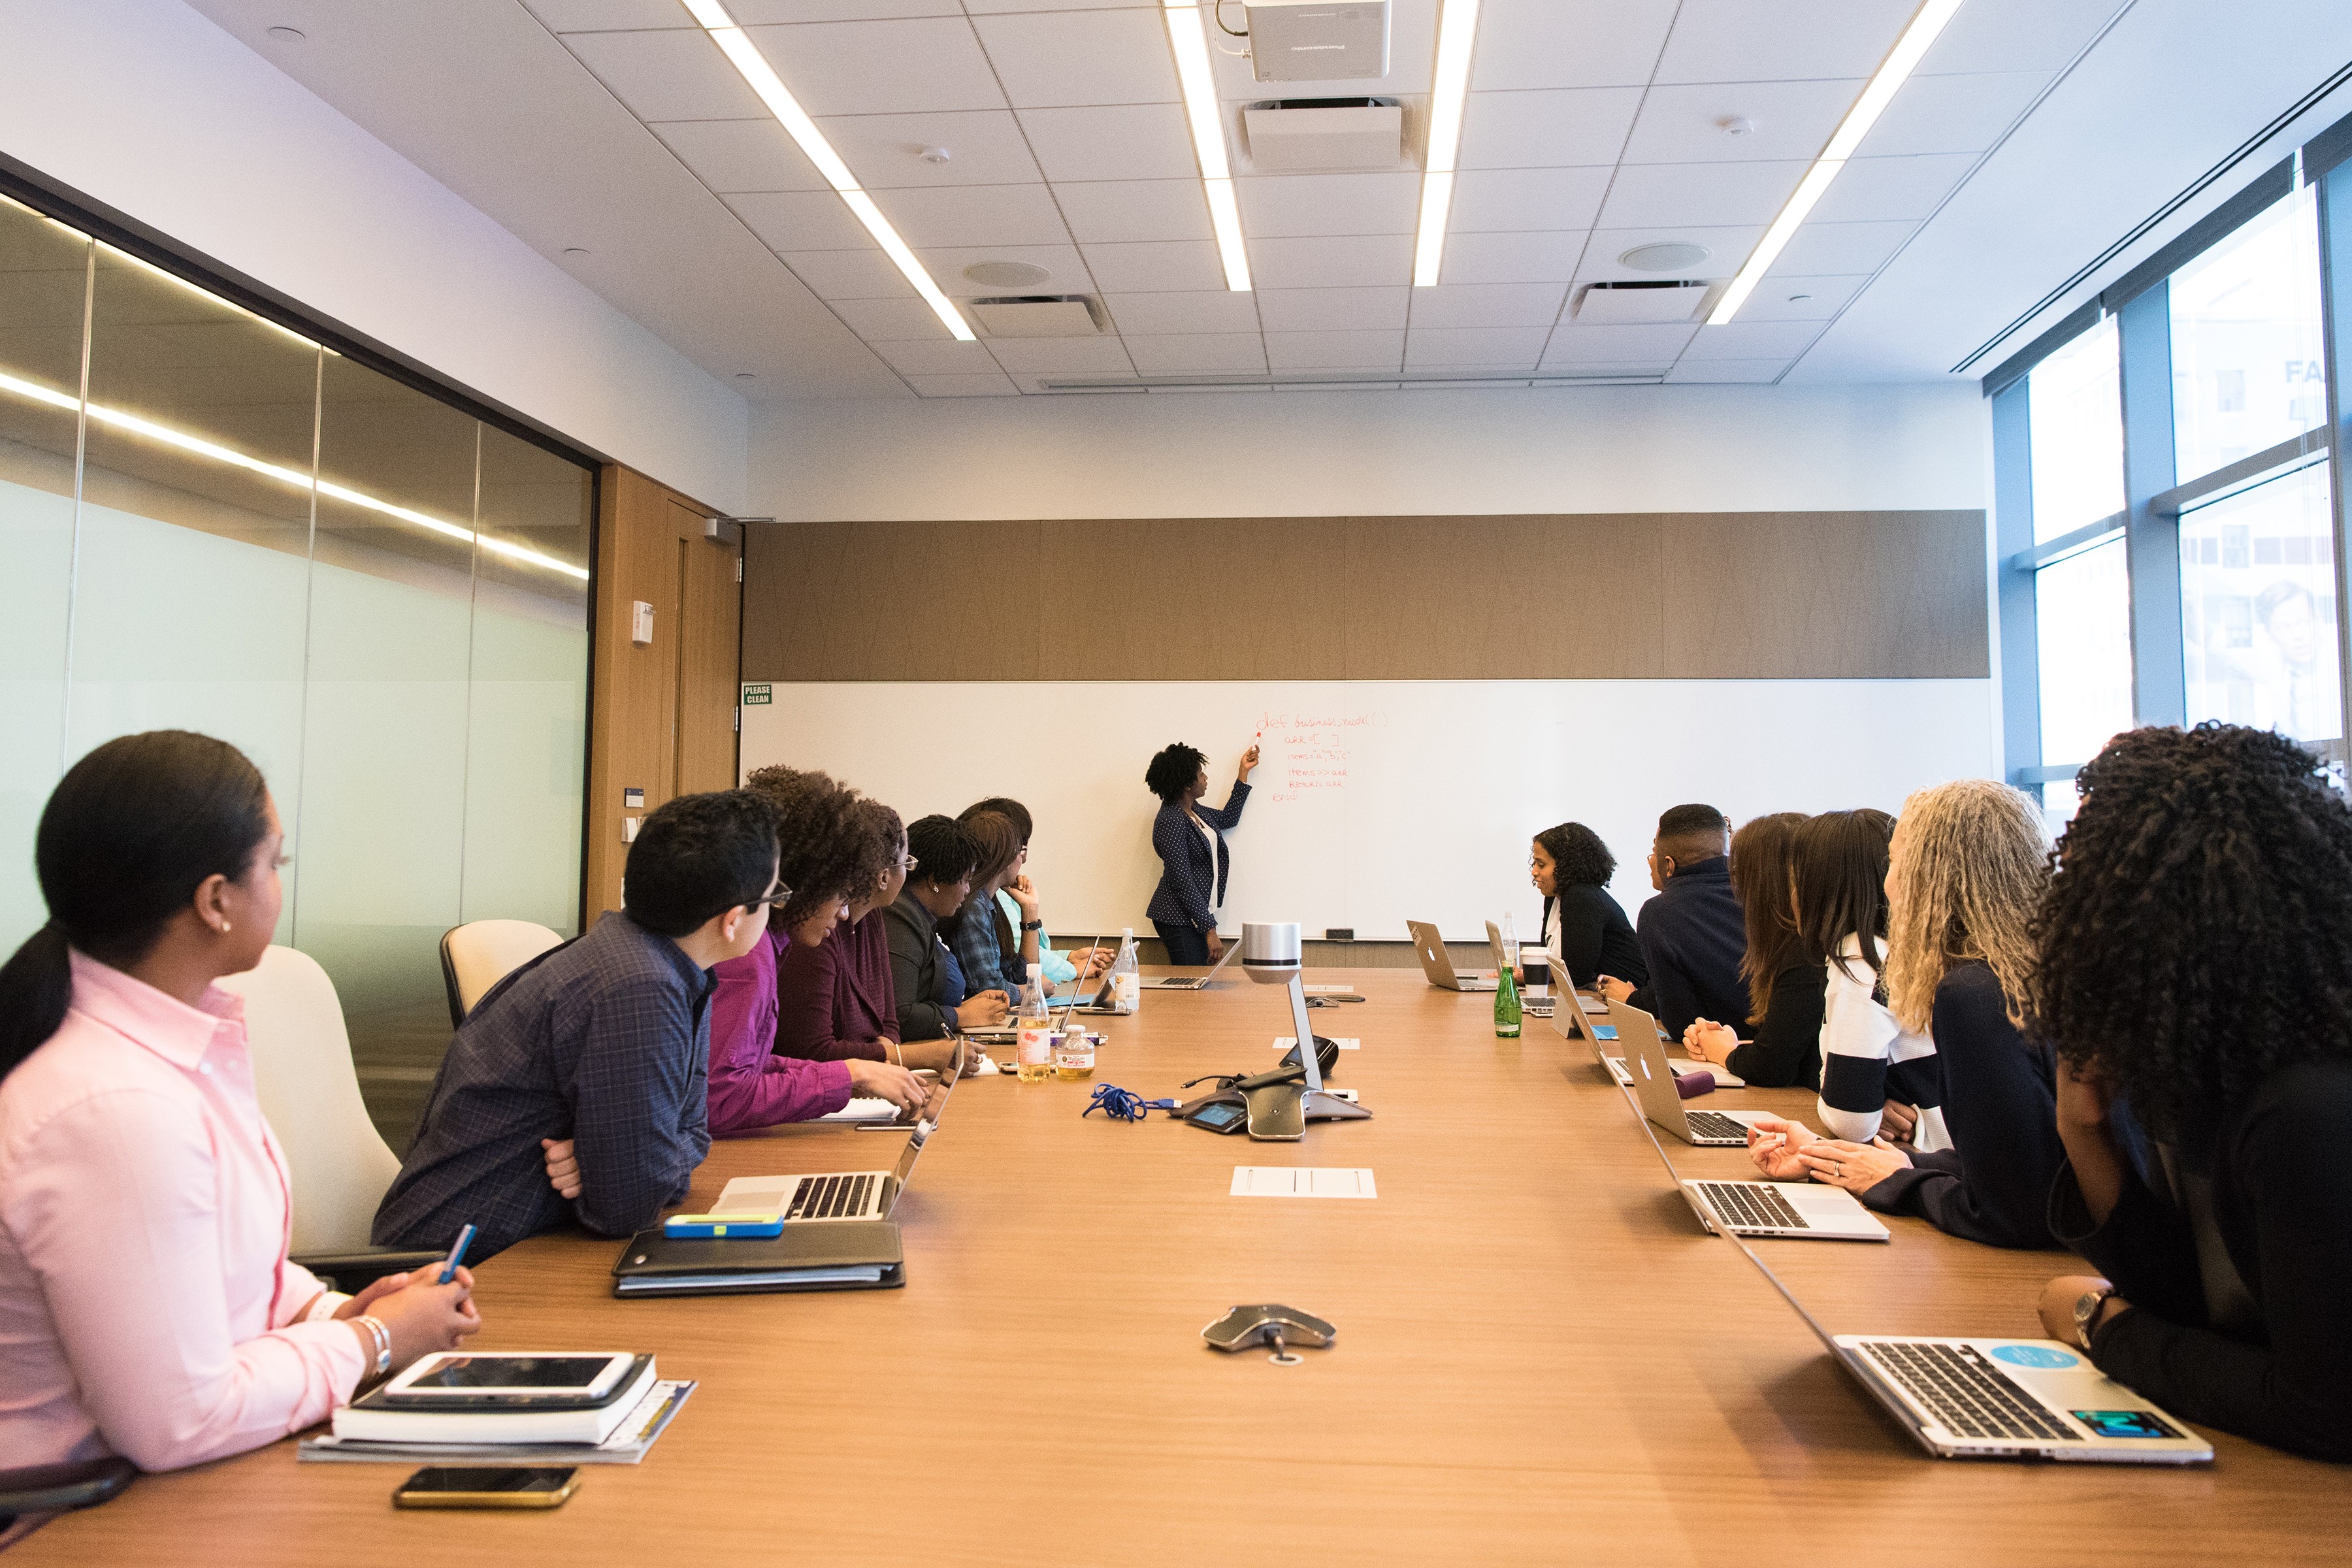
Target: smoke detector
<point x="1318" y="40"/>
<point x="1007" y="274"/>
<point x="1667" y="256"/>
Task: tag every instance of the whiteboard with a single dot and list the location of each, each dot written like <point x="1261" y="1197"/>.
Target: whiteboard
<point x="1376" y="801"/>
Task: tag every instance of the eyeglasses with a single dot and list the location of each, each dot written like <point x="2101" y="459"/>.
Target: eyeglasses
<point x="773" y="900"/>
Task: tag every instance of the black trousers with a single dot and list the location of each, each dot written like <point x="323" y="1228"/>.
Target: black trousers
<point x="1185" y="946"/>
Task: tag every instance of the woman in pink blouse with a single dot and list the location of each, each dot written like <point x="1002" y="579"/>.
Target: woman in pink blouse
<point x="147" y="1305"/>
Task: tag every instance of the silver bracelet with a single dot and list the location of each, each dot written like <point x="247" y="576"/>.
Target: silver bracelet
<point x="382" y="1338"/>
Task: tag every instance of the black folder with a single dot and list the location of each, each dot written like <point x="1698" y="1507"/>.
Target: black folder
<point x="825" y="1255"/>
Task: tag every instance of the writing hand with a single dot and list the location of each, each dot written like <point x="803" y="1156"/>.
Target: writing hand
<point x="1249" y="761"/>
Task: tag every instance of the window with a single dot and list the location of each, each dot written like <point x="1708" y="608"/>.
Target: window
<point x="2075" y="407"/>
<point x="2082" y="610"/>
<point x="2258" y="608"/>
<point x="2248" y="363"/>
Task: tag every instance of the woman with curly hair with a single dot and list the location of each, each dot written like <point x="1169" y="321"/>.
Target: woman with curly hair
<point x="1785" y="979"/>
<point x="1965" y="876"/>
<point x="2195" y="975"/>
<point x="1189" y="839"/>
<point x="1584" y="929"/>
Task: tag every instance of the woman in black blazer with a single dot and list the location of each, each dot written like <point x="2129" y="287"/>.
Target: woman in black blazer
<point x="1191" y="844"/>
<point x="2196" y="978"/>
<point x="1581" y="925"/>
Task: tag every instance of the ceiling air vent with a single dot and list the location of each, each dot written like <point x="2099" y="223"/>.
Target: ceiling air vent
<point x="1310" y="136"/>
<point x="1036" y="316"/>
<point x="1644" y="303"/>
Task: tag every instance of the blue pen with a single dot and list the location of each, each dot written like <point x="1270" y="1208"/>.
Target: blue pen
<point x="456" y="1256"/>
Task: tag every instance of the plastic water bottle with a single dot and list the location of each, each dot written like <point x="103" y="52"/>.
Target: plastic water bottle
<point x="1126" y="976"/>
<point x="1033" y="1046"/>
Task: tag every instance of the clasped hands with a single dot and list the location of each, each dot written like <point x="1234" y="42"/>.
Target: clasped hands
<point x="1789" y="1151"/>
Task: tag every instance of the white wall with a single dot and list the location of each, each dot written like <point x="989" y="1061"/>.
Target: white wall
<point x="1323" y="454"/>
<point x="148" y="106"/>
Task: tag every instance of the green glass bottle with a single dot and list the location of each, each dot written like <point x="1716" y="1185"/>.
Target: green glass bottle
<point x="1507" y="1007"/>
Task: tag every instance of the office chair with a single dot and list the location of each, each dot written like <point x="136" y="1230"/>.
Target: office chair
<point x="478" y="954"/>
<point x="337" y="1164"/>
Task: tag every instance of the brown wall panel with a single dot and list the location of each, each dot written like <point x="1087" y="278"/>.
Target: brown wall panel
<point x="1761" y="595"/>
<point x="1583" y="598"/>
<point x="1196" y="599"/>
<point x="899" y="601"/>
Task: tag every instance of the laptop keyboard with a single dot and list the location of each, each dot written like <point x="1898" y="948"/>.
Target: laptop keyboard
<point x="1968" y="1395"/>
<point x="832" y="1198"/>
<point x="1715" y="1124"/>
<point x="1753" y="1205"/>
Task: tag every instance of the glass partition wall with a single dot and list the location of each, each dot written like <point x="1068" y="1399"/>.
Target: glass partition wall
<point x="217" y="524"/>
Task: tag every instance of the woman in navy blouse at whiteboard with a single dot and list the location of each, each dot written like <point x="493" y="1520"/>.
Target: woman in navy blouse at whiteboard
<point x="1191" y="848"/>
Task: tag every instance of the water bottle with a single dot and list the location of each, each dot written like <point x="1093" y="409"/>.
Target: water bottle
<point x="1510" y="943"/>
<point x="1507" y="1006"/>
<point x="1126" y="976"/>
<point x="1034" y="1044"/>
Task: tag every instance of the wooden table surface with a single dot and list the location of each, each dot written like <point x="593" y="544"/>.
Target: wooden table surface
<point x="1541" y="1358"/>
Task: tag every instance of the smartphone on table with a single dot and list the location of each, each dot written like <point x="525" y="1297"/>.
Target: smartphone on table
<point x="500" y="1486"/>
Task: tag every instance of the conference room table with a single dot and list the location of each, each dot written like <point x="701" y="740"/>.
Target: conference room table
<point x="1541" y="1356"/>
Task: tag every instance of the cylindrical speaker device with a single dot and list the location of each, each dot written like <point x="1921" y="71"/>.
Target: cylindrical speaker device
<point x="1270" y="951"/>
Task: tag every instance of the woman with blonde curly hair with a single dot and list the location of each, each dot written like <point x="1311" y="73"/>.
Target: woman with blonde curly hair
<point x="1965" y="875"/>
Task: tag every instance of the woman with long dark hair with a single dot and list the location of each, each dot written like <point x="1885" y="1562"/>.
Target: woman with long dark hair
<point x="1189" y="839"/>
<point x="1785" y="979"/>
<point x="2194" y="974"/>
<point x="151" y="1310"/>
<point x="1584" y="929"/>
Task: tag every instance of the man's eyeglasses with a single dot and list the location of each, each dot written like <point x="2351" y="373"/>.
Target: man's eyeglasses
<point x="775" y="898"/>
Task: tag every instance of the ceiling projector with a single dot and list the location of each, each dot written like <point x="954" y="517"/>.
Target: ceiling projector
<point x="1318" y="40"/>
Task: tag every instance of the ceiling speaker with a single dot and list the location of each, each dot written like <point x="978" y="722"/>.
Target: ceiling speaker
<point x="1007" y="274"/>
<point x="1669" y="256"/>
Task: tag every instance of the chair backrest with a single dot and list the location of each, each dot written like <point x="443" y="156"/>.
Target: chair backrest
<point x="478" y="954"/>
<point x="338" y="1165"/>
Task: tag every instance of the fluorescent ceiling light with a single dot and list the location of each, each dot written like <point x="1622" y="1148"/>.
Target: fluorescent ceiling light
<point x="1457" y="25"/>
<point x="1900" y="63"/>
<point x="762" y="78"/>
<point x="115" y="418"/>
<point x="1191" y="42"/>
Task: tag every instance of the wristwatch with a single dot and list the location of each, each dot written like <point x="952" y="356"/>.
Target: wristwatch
<point x="2087" y="1307"/>
<point x="1033" y="925"/>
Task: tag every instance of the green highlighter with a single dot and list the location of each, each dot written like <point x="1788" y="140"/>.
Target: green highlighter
<point x="722" y="1226"/>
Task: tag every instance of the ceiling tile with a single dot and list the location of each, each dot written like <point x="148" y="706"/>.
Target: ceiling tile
<point x="1568" y="43"/>
<point x="1335" y="351"/>
<point x="885" y="320"/>
<point x="2015" y="36"/>
<point x="1951" y="113"/>
<point x="1870" y="189"/>
<point x="1054" y="57"/>
<point x="1496" y="201"/>
<point x="1544" y="130"/>
<point x="1085" y="356"/>
<point x="752" y="12"/>
<point x="801" y="220"/>
<point x="1201" y="310"/>
<point x="1726" y="370"/>
<point x="1274" y="205"/>
<point x="942" y="357"/>
<point x="1801" y="297"/>
<point x="740" y="155"/>
<point x="1064" y="272"/>
<point x="931" y="217"/>
<point x="985" y="147"/>
<point x="1575" y="343"/>
<point x="1726" y="248"/>
<point x="1159" y="264"/>
<point x="1487" y="305"/>
<point x="1753" y="341"/>
<point x="1781" y="40"/>
<point x="1344" y="261"/>
<point x="1126" y="141"/>
<point x="1511" y="257"/>
<point x="1844" y="246"/>
<point x="994" y="384"/>
<point x="1198" y="352"/>
<point x="1412" y="51"/>
<point x="1452" y="346"/>
<point x="864" y="274"/>
<point x="1600" y="370"/>
<point x="984" y="7"/>
<point x="674" y="75"/>
<point x="600" y="15"/>
<point x="1793" y="119"/>
<point x="1661" y="195"/>
<point x="1112" y="211"/>
<point x="880" y="67"/>
<point x="1333" y="309"/>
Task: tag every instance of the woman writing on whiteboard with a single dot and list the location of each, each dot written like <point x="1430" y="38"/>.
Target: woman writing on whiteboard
<point x="1190" y="840"/>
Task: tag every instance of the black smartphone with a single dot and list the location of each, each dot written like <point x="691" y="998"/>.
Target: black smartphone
<point x="504" y="1485"/>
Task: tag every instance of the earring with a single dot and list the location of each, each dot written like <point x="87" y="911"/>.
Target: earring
<point x="224" y="928"/>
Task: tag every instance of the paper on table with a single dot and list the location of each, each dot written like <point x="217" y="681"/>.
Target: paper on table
<point x="862" y="1109"/>
<point x="1345" y="1042"/>
<point x="1303" y="1181"/>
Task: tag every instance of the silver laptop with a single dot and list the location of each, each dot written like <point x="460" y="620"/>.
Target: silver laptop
<point x="2001" y="1398"/>
<point x="1195" y="982"/>
<point x="1652" y="1077"/>
<point x="1437" y="965"/>
<point x="1801" y="1210"/>
<point x="839" y="1195"/>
